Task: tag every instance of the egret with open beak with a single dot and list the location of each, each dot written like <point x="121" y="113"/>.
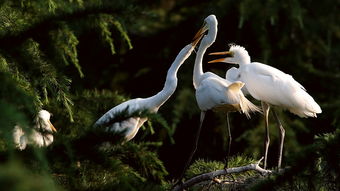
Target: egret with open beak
<point x="226" y="59"/>
<point x="272" y="87"/>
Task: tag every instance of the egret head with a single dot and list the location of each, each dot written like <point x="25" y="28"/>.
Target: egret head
<point x="238" y="55"/>
<point x="211" y="21"/>
<point x="233" y="74"/>
<point x="210" y="24"/>
<point x="43" y="121"/>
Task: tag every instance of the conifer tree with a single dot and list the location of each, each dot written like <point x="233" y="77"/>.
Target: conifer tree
<point x="80" y="58"/>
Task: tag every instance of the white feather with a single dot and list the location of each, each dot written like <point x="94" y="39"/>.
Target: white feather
<point x="130" y="126"/>
<point x="34" y="136"/>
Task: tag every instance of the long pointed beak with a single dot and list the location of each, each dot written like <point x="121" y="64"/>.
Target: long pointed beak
<point x="220" y="53"/>
<point x="198" y="36"/>
<point x="51" y="126"/>
<point x="216" y="60"/>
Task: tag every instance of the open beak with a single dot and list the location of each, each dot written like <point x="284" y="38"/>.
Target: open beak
<point x="51" y="126"/>
<point x="198" y="36"/>
<point x="220" y="53"/>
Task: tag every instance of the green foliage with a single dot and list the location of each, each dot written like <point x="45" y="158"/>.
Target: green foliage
<point x="123" y="167"/>
<point x="97" y="160"/>
<point x="237" y="181"/>
<point x="141" y="159"/>
<point x="16" y="108"/>
<point x="202" y="166"/>
<point x="22" y="22"/>
<point x="314" y="168"/>
<point x="50" y="58"/>
<point x="65" y="43"/>
<point x="15" y="176"/>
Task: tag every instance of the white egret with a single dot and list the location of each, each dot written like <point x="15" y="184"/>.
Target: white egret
<point x="41" y="134"/>
<point x="272" y="87"/>
<point x="212" y="91"/>
<point x="129" y="127"/>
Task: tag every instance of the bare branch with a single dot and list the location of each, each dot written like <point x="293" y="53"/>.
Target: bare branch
<point x="212" y="175"/>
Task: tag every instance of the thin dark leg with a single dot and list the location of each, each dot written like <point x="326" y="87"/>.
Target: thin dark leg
<point x="229" y="142"/>
<point x="195" y="145"/>
<point x="266" y="109"/>
<point x="282" y="137"/>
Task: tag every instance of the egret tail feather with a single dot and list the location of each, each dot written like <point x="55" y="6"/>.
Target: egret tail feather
<point x="248" y="107"/>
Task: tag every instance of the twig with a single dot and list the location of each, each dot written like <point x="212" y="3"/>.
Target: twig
<point x="212" y="175"/>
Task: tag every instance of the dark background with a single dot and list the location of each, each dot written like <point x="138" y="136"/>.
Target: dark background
<point x="301" y="38"/>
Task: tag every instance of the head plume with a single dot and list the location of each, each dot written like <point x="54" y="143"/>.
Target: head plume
<point x="237" y="55"/>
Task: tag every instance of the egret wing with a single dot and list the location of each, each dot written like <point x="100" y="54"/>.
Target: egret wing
<point x="119" y="112"/>
<point x="273" y="86"/>
<point x="212" y="92"/>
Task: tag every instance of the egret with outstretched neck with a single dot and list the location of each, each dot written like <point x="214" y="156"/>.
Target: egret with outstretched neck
<point x="273" y="88"/>
<point x="129" y="127"/>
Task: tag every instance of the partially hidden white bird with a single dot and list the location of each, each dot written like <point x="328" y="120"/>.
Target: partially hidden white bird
<point x="212" y="91"/>
<point x="129" y="126"/>
<point x="270" y="86"/>
<point x="40" y="135"/>
<point x="233" y="75"/>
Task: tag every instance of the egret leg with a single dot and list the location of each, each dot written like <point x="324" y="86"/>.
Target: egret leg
<point x="195" y="145"/>
<point x="266" y="108"/>
<point x="229" y="142"/>
<point x="282" y="137"/>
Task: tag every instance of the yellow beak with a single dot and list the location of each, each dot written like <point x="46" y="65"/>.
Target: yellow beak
<point x="52" y="127"/>
<point x="216" y="60"/>
<point x="198" y="36"/>
<point x="220" y="53"/>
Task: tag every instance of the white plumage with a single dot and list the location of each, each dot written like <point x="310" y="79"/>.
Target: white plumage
<point x="212" y="91"/>
<point x="233" y="75"/>
<point x="272" y="87"/>
<point x="130" y="126"/>
<point x="268" y="84"/>
<point x="40" y="135"/>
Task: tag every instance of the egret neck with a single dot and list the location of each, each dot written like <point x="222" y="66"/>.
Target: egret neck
<point x="206" y="42"/>
<point x="171" y="80"/>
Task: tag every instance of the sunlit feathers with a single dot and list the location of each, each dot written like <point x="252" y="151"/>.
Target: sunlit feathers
<point x="129" y="127"/>
<point x="268" y="84"/>
<point x="40" y="135"/>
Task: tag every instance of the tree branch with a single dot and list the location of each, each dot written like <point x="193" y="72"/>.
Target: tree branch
<point x="47" y="22"/>
<point x="212" y="175"/>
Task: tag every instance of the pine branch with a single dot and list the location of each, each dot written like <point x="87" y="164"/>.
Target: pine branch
<point x="103" y="23"/>
<point x="212" y="175"/>
<point x="123" y="32"/>
<point x="20" y="79"/>
<point x="46" y="21"/>
<point x="65" y="42"/>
